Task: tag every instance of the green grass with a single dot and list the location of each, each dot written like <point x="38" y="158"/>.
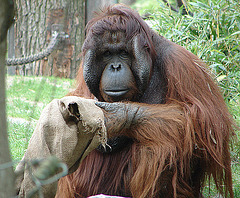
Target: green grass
<point x="28" y="94"/>
<point x="26" y="98"/>
<point x="19" y="136"/>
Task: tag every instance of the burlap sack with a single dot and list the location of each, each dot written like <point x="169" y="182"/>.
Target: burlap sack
<point x="68" y="128"/>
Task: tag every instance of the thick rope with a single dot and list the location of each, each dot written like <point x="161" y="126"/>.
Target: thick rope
<point x="56" y="38"/>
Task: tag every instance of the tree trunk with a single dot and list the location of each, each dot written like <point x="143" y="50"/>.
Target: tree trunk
<point x="6" y="174"/>
<point x="36" y="22"/>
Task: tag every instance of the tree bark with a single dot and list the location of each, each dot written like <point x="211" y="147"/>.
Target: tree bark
<point x="6" y="174"/>
<point x="35" y="23"/>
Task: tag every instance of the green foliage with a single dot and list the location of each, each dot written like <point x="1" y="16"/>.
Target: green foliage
<point x="212" y="33"/>
<point x="146" y="6"/>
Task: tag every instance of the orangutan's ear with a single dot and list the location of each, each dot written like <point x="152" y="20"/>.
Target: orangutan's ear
<point x="143" y="62"/>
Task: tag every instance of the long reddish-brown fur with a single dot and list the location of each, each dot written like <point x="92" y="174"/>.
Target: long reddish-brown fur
<point x="178" y="145"/>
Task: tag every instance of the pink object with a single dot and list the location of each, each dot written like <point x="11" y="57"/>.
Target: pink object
<point x="106" y="196"/>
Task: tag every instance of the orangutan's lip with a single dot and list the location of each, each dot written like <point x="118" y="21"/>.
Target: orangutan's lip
<point x="116" y="93"/>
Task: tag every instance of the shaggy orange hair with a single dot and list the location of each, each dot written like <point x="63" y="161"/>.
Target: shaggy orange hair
<point x="177" y="145"/>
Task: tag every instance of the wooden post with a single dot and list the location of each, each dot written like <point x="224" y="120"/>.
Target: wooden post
<point x="7" y="183"/>
<point x="11" y="50"/>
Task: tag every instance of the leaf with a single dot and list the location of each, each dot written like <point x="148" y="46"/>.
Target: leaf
<point x="236" y="33"/>
<point x="220" y="78"/>
<point x="201" y="5"/>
